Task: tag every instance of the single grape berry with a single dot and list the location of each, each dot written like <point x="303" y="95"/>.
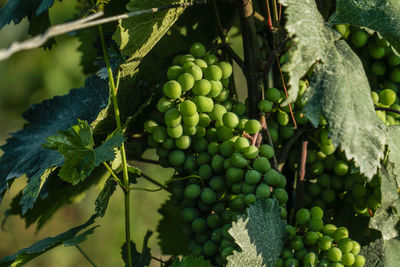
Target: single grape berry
<point x="226" y="68"/>
<point x="387" y="97"/>
<point x="188" y="108"/>
<point x="208" y="195"/>
<point x="172" y="89"/>
<point x="186" y="81"/>
<point x="230" y="120"/>
<point x="325" y="243"/>
<point x="201" y="87"/>
<point x="273" y="94"/>
<point x="192" y="191"/>
<point x="173" y="72"/>
<point x="252" y="126"/>
<point x="334" y="254"/>
<point x="198" y="50"/>
<point x="213" y="73"/>
<point x="359" y="38"/>
<point x="265" y="106"/>
<point x="303" y="216"/>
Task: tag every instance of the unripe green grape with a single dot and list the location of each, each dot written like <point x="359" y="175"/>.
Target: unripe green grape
<point x="227" y="148"/>
<point x="241" y="144"/>
<point x="265" y="106"/>
<point x="387" y="97"/>
<point x="273" y="132"/>
<point x="378" y="68"/>
<point x="281" y="195"/>
<point x="282" y="118"/>
<point x="224" y="134"/>
<point x="345" y="245"/>
<point x="168" y="143"/>
<point x="199" y="225"/>
<point x="188" y="64"/>
<point x="310" y="258"/>
<point x="226" y="252"/>
<point x="252" y="177"/>
<point x="263" y="190"/>
<point x="159" y="134"/>
<point x="174" y="72"/>
<point x="340" y="167"/>
<point x="217" y="183"/>
<point x="172" y="117"/>
<point x="343" y="29"/>
<point x="216" y="88"/>
<point x="195" y="71"/>
<point x="328" y="195"/>
<point x="205" y="171"/>
<point x="297" y="243"/>
<point x="172" y="89"/>
<point x="375" y="97"/>
<point x="186" y="81"/>
<point x="373" y="202"/>
<point x="300" y="254"/>
<point x="328" y="149"/>
<point x="189" y="214"/>
<point x="213" y="148"/>
<point x="204" y="120"/>
<point x="201" y="87"/>
<point x="273" y="94"/>
<point x="272" y="177"/>
<point x="287" y="253"/>
<point x="340" y="233"/>
<point x="292" y="262"/>
<point x="234" y="175"/>
<point x="227" y="164"/>
<point x="356" y="248"/>
<point x="248" y="188"/>
<point x="239" y="108"/>
<point x="314" y="189"/>
<point x="252" y="126"/>
<point x="242" y="123"/>
<point x="393" y="60"/>
<point x="188" y="108"/>
<point x="300" y="117"/>
<point x="150" y="125"/>
<point x="210" y="248"/>
<point x="324" y="180"/>
<point x="266" y="150"/>
<point x="223" y="96"/>
<point x="186" y="58"/>
<point x="210" y="59"/>
<point x="176" y="157"/>
<point x="217" y="163"/>
<point x="324" y="243"/>
<point x="238" y="160"/>
<point x="261" y="164"/>
<point x="334" y="254"/>
<point x="348" y="259"/>
<point x="176" y="59"/>
<point x="290" y="231"/>
<point x="203" y="103"/>
<point x="311" y="156"/>
<point x="317" y="168"/>
<point x="175" y="132"/>
<point x="316" y="212"/>
<point x="196" y="249"/>
<point x="191" y="121"/>
<point x="198" y="50"/>
<point x="192" y="191"/>
<point x="311" y="238"/>
<point x="230" y="120"/>
<point x="164" y="104"/>
<point x="217" y="112"/>
<point x="189" y="165"/>
<point x="315" y="224"/>
<point x="359" y="261"/>
<point x="213" y="73"/>
<point x="282" y="182"/>
<point x="358" y="190"/>
<point x="236" y="189"/>
<point x="376" y="51"/>
<point x="279" y="262"/>
<point x="208" y="195"/>
<point x="226" y="69"/>
<point x="200" y="145"/>
<point x="324" y="263"/>
<point x="359" y="38"/>
<point x="237" y="204"/>
<point x="303" y="216"/>
<point x="250" y="199"/>
<point x="286" y="131"/>
<point x="200" y="132"/>
<point x="189" y="130"/>
<point x="183" y="142"/>
<point x="162" y="152"/>
<point x="201" y="63"/>
<point x="251" y="152"/>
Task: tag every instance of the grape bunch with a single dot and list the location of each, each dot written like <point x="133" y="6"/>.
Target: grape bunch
<point x="202" y="132"/>
<point x="312" y="243"/>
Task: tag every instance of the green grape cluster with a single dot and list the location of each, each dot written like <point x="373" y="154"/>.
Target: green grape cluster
<point x="312" y="243"/>
<point x="200" y="131"/>
<point x="387" y="98"/>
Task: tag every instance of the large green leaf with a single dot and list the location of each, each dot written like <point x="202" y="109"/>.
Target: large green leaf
<point x="260" y="235"/>
<point x="339" y="88"/>
<point x="76" y="144"/>
<point x="378" y="15"/>
<point x="137" y="35"/>
<point x="16" y="10"/>
<point x="391" y="252"/>
<point x="373" y="253"/>
<point x="191" y="261"/>
<point x="24" y="154"/>
<point x="139" y="259"/>
<point x="171" y="239"/>
<point x="68" y="238"/>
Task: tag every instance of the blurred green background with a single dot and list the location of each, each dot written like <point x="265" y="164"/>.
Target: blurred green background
<point x="30" y="77"/>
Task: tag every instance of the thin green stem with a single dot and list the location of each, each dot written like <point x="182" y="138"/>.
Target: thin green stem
<point x="275" y="9"/>
<point x="145" y="189"/>
<point x="86" y="256"/>
<point x="123" y="154"/>
<point x="119" y="182"/>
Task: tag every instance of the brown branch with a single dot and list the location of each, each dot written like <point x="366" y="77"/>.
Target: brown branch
<point x="302" y="174"/>
<point x="388" y="109"/>
<point x="269" y="140"/>
<point x="286" y="149"/>
<point x="252" y="59"/>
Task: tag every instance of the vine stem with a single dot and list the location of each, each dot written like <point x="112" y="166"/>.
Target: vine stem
<point x="388" y="109"/>
<point x="122" y="149"/>
<point x="85" y="255"/>
<point x="119" y="182"/>
<point x="302" y="174"/>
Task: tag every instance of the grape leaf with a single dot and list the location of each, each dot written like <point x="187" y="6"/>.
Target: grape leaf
<point x="138" y="259"/>
<point x="104" y="197"/>
<point x="23" y="153"/>
<point x="16" y="10"/>
<point x="260" y="235"/>
<point x="191" y="261"/>
<point x="137" y="35"/>
<point x="378" y="15"/>
<point x="391" y="251"/>
<point x="373" y="253"/>
<point x="68" y="238"/>
<point x="54" y="194"/>
<point x="339" y="88"/>
<point x="169" y="228"/>
<point x="388" y="214"/>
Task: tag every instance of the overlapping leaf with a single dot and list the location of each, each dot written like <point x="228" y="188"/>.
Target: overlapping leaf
<point x="260" y="235"/>
<point x="339" y="88"/>
<point x="24" y="154"/>
<point x="68" y="238"/>
<point x="139" y="259"/>
<point x="104" y="197"/>
<point x="136" y="36"/>
<point x="378" y="15"/>
<point x="16" y="10"/>
<point x="191" y="261"/>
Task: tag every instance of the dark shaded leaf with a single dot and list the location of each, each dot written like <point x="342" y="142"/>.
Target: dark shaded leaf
<point x="68" y="238"/>
<point x="260" y="235"/>
<point x="373" y="253"/>
<point x="170" y="237"/>
<point x="24" y="154"/>
<point x="138" y="259"/>
<point x="104" y="197"/>
<point x="191" y="261"/>
<point x="39" y="24"/>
